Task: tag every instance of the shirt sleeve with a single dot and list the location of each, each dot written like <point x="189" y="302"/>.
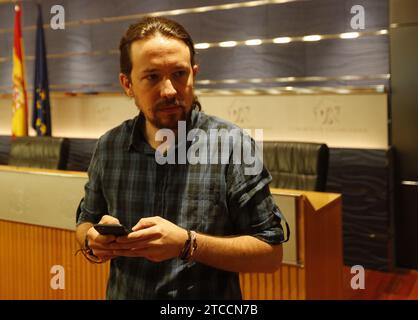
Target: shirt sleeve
<point x="252" y="206"/>
<point x="94" y="205"/>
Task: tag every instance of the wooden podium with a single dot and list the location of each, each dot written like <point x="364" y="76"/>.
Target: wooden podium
<point x="312" y="259"/>
<point x="37" y="234"/>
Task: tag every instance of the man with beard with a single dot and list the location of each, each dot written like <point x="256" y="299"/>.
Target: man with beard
<point x="194" y="227"/>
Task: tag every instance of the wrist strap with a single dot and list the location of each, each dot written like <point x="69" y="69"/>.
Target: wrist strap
<point x="88" y="252"/>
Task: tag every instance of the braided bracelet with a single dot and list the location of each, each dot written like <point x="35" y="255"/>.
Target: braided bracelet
<point x="186" y="248"/>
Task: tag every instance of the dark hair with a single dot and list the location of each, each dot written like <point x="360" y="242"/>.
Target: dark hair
<point x="146" y="28"/>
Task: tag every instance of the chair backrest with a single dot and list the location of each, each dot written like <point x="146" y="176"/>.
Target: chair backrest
<point x="39" y="152"/>
<point x="297" y="165"/>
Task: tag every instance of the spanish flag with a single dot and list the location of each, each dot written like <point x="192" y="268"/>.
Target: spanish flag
<point x="19" y="103"/>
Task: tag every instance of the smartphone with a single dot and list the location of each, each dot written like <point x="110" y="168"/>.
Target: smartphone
<point x="113" y="229"/>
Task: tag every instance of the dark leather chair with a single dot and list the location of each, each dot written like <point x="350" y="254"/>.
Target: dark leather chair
<point x="297" y="165"/>
<point x="39" y="152"/>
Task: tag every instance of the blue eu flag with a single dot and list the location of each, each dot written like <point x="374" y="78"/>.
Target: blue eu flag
<point x="41" y="117"/>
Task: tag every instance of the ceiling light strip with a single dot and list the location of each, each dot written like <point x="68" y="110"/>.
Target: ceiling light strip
<point x="234" y="81"/>
<point x="296" y="79"/>
<point x="342" y="90"/>
<point x="285" y="40"/>
<point x="225" y="44"/>
<point x="403" y="24"/>
<point x="409" y="183"/>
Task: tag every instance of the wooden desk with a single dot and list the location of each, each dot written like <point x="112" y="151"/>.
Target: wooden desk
<point x="37" y="223"/>
<point x="313" y="261"/>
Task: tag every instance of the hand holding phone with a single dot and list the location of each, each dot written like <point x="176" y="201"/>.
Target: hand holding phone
<point x="111" y="229"/>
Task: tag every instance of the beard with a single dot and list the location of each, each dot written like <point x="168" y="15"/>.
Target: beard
<point x="163" y="120"/>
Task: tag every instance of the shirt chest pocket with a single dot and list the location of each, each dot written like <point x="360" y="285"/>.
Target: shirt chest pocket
<point x="205" y="210"/>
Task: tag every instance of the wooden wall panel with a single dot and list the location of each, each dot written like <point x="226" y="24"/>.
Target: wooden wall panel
<point x="285" y="284"/>
<point x="365" y="178"/>
<point x="404" y="102"/>
<point x="27" y="254"/>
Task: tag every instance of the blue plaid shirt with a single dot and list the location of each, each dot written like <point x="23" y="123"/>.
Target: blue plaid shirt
<point x="126" y="182"/>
